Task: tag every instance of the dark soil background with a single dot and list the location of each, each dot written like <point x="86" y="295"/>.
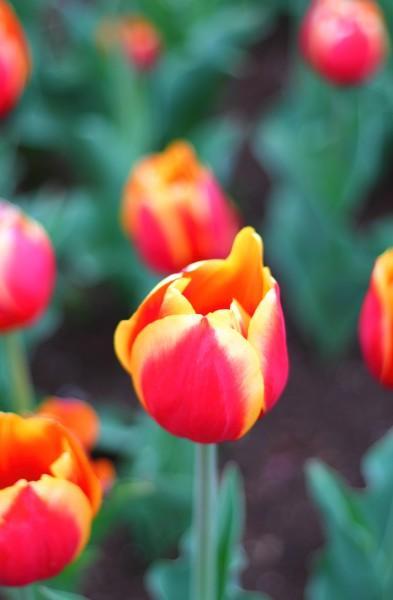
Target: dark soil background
<point x="330" y="411"/>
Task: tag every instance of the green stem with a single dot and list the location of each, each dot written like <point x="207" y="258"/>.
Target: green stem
<point x="24" y="593"/>
<point x="20" y="383"/>
<point x="204" y="585"/>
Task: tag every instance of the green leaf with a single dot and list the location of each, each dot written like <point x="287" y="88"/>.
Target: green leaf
<point x="46" y="593"/>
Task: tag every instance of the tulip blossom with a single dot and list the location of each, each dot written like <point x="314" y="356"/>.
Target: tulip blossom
<point x="76" y="415"/>
<point x="344" y="40"/>
<point x="82" y="420"/>
<point x="48" y="497"/>
<point x="138" y="38"/>
<point x="376" y="321"/>
<point x="175" y="211"/>
<point x="14" y="59"/>
<point x="207" y="348"/>
<point x="27" y="268"/>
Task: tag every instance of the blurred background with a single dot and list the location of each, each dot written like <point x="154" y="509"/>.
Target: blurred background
<point x="308" y="164"/>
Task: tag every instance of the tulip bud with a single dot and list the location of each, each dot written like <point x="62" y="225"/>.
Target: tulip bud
<point x="27" y="268"/>
<point x="175" y="211"/>
<point x="76" y="415"/>
<point x="138" y="38"/>
<point x="48" y="497"/>
<point x="344" y="40"/>
<point x="207" y="348"/>
<point x="14" y="59"/>
<point x="376" y="321"/>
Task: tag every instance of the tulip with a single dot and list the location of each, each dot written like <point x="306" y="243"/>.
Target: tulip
<point x="175" y="211"/>
<point x="207" y="348"/>
<point x="105" y="472"/>
<point x="82" y="420"/>
<point x="27" y="268"/>
<point x="48" y="497"/>
<point x="344" y="40"/>
<point x="376" y="321"/>
<point x="76" y="415"/>
<point x="14" y="59"/>
<point x="138" y="38"/>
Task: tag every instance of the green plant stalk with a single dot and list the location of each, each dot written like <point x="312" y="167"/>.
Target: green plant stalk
<point x="24" y="593"/>
<point x="20" y="382"/>
<point x="204" y="568"/>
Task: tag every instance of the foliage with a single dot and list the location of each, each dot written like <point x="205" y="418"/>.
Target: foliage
<point x="357" y="559"/>
<point x="171" y="579"/>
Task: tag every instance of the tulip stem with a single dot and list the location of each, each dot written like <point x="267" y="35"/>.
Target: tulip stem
<point x="20" y="382"/>
<point x="203" y="582"/>
<point x="24" y="593"/>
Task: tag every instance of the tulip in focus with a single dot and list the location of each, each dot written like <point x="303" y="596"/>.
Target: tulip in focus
<point x="376" y="321"/>
<point x="14" y="59"/>
<point x="344" y="40"/>
<point x="207" y="348"/>
<point x="48" y="497"/>
<point x="175" y="211"/>
<point x="27" y="268"/>
<point x="138" y="38"/>
<point x="81" y="419"/>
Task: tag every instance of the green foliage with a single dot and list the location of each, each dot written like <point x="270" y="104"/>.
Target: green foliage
<point x="316" y="145"/>
<point x="171" y="579"/>
<point x="357" y="559"/>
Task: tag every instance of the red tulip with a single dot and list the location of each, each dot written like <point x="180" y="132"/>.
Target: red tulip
<point x="27" y="268"/>
<point x="376" y="321"/>
<point x="175" y="211"/>
<point x="137" y="37"/>
<point x="207" y="348"/>
<point x="344" y="40"/>
<point x="48" y="497"/>
<point x="14" y="59"/>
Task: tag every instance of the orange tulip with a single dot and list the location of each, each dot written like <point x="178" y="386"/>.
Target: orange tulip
<point x="207" y="348"/>
<point x="105" y="471"/>
<point x="376" y="321"/>
<point x="48" y="497"/>
<point x="27" y="268"/>
<point x="344" y="40"/>
<point x="78" y="416"/>
<point x="175" y="212"/>
<point x="14" y="59"/>
<point x="81" y="419"/>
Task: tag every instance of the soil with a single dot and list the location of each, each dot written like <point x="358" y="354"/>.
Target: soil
<point x="329" y="411"/>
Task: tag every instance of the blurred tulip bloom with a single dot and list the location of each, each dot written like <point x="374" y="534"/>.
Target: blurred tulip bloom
<point x="14" y="59"/>
<point x="81" y="419"/>
<point x="76" y="415"/>
<point x="48" y="497"/>
<point x="344" y="40"/>
<point x="138" y="38"/>
<point x="27" y="268"/>
<point x="207" y="348"/>
<point x="175" y="211"/>
<point x="376" y="321"/>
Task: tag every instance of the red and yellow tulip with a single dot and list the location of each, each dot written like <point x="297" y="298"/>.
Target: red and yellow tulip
<point x="81" y="419"/>
<point x="48" y="497"/>
<point x="14" y="59"/>
<point x="344" y="40"/>
<point x="175" y="211"/>
<point x="376" y="321"/>
<point x="27" y="268"/>
<point x="207" y="348"/>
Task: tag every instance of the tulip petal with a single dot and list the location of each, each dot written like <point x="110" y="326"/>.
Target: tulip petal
<point x="219" y="398"/>
<point x="76" y="415"/>
<point x="32" y="447"/>
<point x="238" y="277"/>
<point x="43" y="527"/>
<point x="267" y="335"/>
